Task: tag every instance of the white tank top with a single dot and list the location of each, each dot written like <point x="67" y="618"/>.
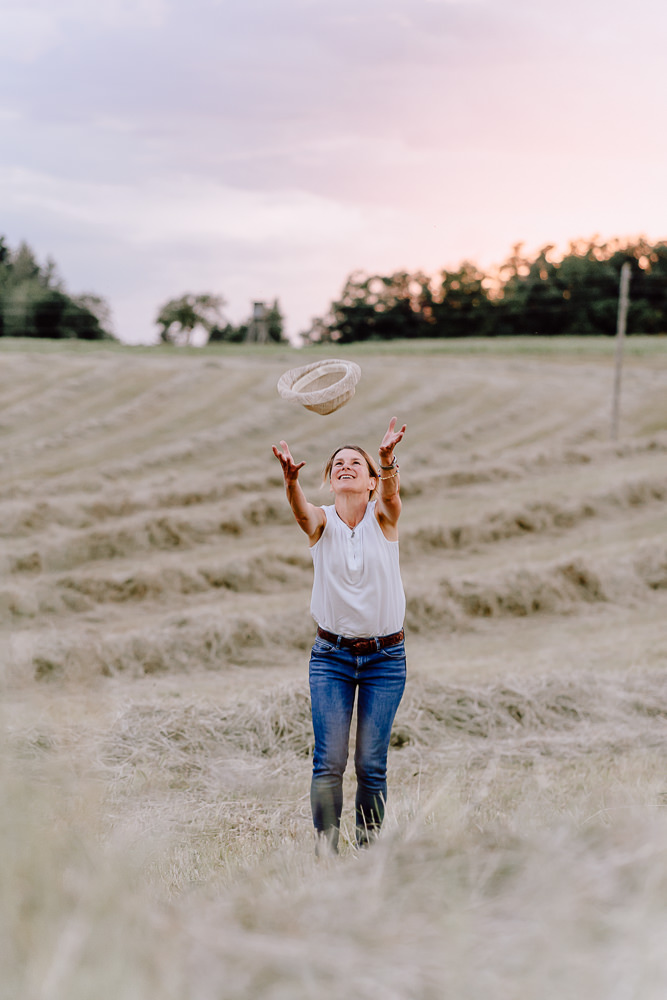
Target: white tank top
<point x="357" y="588"/>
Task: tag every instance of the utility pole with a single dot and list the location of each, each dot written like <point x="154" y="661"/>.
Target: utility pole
<point x="620" y="340"/>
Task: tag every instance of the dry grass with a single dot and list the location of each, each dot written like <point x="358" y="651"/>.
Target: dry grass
<point x="154" y="634"/>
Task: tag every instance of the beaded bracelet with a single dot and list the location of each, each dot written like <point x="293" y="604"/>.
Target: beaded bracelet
<point x="392" y="476"/>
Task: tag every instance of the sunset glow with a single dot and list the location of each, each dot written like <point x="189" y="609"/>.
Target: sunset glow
<point x="264" y="149"/>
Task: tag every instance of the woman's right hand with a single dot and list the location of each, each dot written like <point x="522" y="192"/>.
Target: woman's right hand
<point x="289" y="466"/>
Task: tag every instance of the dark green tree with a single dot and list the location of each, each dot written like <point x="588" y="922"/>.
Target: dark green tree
<point x="228" y="334"/>
<point x="374" y="307"/>
<point x="647" y="311"/>
<point x="579" y="293"/>
<point x="461" y="306"/>
<point x="177" y="318"/>
<point x="538" y="295"/>
<point x="24" y="267"/>
<point x="275" y="324"/>
<point x="34" y="303"/>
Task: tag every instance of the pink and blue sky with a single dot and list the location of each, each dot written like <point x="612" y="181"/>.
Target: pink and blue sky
<point x="263" y="148"/>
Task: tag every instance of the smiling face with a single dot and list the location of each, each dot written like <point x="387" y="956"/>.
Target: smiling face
<point x="351" y="471"/>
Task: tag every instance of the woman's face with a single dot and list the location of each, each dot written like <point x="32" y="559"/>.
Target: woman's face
<point x="350" y="473"/>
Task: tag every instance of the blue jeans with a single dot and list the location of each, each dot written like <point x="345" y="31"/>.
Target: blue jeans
<point x="378" y="681"/>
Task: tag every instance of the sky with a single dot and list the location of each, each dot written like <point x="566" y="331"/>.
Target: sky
<point x="262" y="149"/>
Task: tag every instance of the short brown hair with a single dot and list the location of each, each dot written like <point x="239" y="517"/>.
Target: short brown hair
<point x="372" y="468"/>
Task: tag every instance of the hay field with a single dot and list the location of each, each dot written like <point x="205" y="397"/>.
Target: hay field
<point x="154" y="634"/>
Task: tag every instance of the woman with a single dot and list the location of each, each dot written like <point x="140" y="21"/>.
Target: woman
<point x="358" y="603"/>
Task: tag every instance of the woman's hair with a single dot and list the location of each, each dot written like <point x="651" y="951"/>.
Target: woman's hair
<point x="372" y="468"/>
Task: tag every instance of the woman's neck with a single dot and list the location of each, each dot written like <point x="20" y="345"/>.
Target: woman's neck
<point x="351" y="509"/>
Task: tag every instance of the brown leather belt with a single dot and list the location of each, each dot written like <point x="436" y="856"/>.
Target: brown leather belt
<point x="361" y="645"/>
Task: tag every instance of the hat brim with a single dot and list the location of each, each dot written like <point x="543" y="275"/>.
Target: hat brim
<point x="322" y="386"/>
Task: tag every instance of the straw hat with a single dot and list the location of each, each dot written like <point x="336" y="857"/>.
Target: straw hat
<point x="323" y="386"/>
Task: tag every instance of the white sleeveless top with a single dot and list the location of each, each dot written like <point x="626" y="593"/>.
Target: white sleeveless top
<point x="357" y="588"/>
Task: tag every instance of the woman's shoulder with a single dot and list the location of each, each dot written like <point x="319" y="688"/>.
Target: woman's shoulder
<point x="329" y="511"/>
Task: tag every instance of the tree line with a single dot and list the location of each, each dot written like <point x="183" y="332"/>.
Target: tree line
<point x="178" y="318"/>
<point x="537" y="295"/>
<point x="34" y="302"/>
<point x="526" y="295"/>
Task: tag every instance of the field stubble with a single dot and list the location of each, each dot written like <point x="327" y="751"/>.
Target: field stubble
<point x="154" y="636"/>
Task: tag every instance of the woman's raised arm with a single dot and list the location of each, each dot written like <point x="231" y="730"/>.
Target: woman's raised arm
<point x="389" y="501"/>
<point x="310" y="519"/>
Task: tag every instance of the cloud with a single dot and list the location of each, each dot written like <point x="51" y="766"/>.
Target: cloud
<point x="48" y="21"/>
<point x="173" y="209"/>
<point x="26" y="35"/>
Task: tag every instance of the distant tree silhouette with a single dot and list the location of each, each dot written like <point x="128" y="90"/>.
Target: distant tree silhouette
<point x="461" y="306"/>
<point x="375" y="307"/>
<point x="34" y="303"/>
<point x="177" y="318"/>
<point x="577" y="294"/>
<point x="275" y="323"/>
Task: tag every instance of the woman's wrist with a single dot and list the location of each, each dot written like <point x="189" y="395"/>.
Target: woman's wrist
<point x="388" y="468"/>
<point x="392" y="475"/>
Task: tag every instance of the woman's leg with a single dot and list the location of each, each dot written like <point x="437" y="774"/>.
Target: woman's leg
<point x="332" y="690"/>
<point x="381" y="686"/>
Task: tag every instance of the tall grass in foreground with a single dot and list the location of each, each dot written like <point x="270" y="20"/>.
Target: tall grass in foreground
<point x="525" y="860"/>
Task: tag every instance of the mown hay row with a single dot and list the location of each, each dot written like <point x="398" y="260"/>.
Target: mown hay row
<point x="476" y="470"/>
<point x="143" y="534"/>
<point x="559" y="588"/>
<point x="433" y="613"/>
<point x="213" y="494"/>
<point x="22" y="518"/>
<point x="165" y="584"/>
<point x="159" y="534"/>
<point x="196" y="446"/>
<point x="538" y="517"/>
<point x="422" y="482"/>
<point x="83" y="591"/>
<point x="261" y="574"/>
<point x="566" y="715"/>
<point x="651" y="565"/>
<point x="41" y="397"/>
<point x="525" y="591"/>
<point x="183" y="644"/>
<point x="92" y="405"/>
<point x="427" y="477"/>
<point x="431" y="709"/>
<point x="188" y="737"/>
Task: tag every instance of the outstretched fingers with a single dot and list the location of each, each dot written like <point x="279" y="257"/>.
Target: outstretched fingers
<point x="392" y="436"/>
<point x="282" y="453"/>
<point x="289" y="466"/>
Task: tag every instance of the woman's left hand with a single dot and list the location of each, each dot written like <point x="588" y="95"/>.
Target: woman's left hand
<point x="389" y="442"/>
